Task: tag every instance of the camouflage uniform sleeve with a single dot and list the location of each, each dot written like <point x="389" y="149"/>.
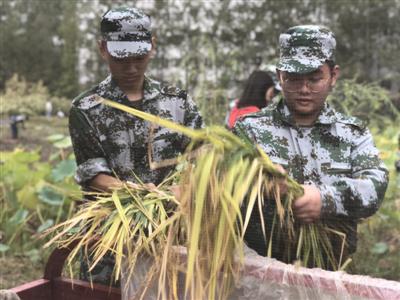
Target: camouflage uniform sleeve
<point x="89" y="154"/>
<point x="244" y="132"/>
<point x="193" y="117"/>
<point x="359" y="195"/>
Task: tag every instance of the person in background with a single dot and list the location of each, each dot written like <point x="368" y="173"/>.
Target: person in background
<point x="258" y="93"/>
<point x="111" y="146"/>
<point x="21" y="118"/>
<point x="48" y="107"/>
<point x="14" y="121"/>
<point x="13" y="126"/>
<point x="331" y="155"/>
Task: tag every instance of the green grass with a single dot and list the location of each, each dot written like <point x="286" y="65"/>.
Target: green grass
<point x="16" y="270"/>
<point x="378" y="251"/>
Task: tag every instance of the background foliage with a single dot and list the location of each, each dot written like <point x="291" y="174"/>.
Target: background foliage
<point x="22" y="97"/>
<point x="369" y="102"/>
<point x="378" y="250"/>
<point x="207" y="47"/>
<point x="34" y="195"/>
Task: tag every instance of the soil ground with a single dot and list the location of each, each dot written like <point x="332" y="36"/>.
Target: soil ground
<point x="32" y="134"/>
<point x="16" y="270"/>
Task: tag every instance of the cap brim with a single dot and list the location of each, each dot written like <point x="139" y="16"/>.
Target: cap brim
<point x="123" y="49"/>
<point x="300" y="66"/>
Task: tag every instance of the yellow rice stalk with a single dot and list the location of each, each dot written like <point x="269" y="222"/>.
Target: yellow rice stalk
<point x="113" y="222"/>
<point x="222" y="181"/>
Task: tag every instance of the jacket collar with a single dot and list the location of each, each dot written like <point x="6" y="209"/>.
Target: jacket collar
<point x="108" y="89"/>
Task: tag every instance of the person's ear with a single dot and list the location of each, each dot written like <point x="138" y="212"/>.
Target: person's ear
<point x="269" y="94"/>
<point x="278" y="75"/>
<point x="102" y="44"/>
<point x="153" y="47"/>
<point x="335" y="72"/>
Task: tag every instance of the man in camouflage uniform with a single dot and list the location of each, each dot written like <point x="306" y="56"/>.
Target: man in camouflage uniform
<point x="330" y="154"/>
<point x="112" y="146"/>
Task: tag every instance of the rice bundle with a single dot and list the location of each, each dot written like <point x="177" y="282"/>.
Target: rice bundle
<point x="222" y="178"/>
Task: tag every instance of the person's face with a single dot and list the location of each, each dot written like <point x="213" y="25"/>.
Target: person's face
<point x="305" y="94"/>
<point x="127" y="70"/>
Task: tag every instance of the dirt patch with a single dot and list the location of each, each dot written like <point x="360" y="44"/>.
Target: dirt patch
<point x="17" y="270"/>
<point x="33" y="134"/>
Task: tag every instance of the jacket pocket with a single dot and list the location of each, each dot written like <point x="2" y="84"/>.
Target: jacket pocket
<point x="336" y="168"/>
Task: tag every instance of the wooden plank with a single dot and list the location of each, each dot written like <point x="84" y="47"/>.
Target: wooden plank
<point x="35" y="290"/>
<point x="67" y="289"/>
<point x="57" y="260"/>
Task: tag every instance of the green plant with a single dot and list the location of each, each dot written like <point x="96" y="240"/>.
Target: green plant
<point x="34" y="195"/>
<point x="369" y="102"/>
<point x="22" y="97"/>
<point x="378" y="251"/>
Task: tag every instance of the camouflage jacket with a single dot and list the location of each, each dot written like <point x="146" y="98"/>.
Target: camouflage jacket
<point x="336" y="154"/>
<point x="107" y="140"/>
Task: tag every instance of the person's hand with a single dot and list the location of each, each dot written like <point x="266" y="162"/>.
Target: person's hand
<point x="307" y="208"/>
<point x="105" y="183"/>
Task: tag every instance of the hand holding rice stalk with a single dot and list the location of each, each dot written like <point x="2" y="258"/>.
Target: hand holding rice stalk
<point x="226" y="175"/>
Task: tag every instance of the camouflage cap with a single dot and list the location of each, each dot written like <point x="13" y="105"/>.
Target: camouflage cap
<point x="127" y="32"/>
<point x="305" y="48"/>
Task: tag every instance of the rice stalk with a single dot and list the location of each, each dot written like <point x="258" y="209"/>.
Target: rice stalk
<point x="220" y="175"/>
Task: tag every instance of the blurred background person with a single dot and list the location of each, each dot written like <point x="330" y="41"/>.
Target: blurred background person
<point x="259" y="91"/>
<point x="16" y="119"/>
<point x="48" y="109"/>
